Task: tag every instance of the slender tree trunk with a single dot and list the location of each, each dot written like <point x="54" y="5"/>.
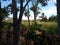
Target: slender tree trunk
<point x="15" y="26"/>
<point x="16" y="23"/>
<point x="0" y="29"/>
<point x="34" y="17"/>
<point x="21" y="12"/>
<point x="0" y="4"/>
<point x="35" y="20"/>
<point x="29" y="21"/>
<point x="58" y="15"/>
<point x="9" y="34"/>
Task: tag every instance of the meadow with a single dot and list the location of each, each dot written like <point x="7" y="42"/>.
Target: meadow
<point x="48" y="37"/>
<point x="49" y="27"/>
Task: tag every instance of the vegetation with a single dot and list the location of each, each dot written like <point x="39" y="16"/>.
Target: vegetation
<point x="42" y="25"/>
<point x="36" y="33"/>
<point x="50" y="28"/>
<point x="53" y="18"/>
<point x="3" y="15"/>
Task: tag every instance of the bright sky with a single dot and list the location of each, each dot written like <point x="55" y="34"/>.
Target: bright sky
<point x="49" y="10"/>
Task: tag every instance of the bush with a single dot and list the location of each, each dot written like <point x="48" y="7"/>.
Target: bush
<point x="35" y="26"/>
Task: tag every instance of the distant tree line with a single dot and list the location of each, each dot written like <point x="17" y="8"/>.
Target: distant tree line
<point x="51" y="18"/>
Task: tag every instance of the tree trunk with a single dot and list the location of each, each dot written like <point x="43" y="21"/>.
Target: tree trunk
<point x="34" y="17"/>
<point x="0" y="4"/>
<point x="58" y="15"/>
<point x="16" y="23"/>
<point x="9" y="34"/>
<point x="28" y="21"/>
<point x="15" y="26"/>
<point x="15" y="34"/>
<point x="0" y="29"/>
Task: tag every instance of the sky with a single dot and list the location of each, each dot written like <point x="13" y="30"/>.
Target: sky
<point x="49" y="9"/>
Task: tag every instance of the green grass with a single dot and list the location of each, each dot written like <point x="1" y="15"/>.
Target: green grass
<point x="49" y="27"/>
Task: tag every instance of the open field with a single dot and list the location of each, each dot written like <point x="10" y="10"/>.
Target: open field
<point x="48" y="26"/>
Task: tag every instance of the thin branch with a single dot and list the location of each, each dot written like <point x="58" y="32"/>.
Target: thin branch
<point x="26" y="3"/>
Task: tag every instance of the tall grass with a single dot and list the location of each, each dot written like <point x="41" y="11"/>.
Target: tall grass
<point x="49" y="27"/>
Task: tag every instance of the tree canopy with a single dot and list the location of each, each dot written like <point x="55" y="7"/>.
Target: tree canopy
<point x="3" y="14"/>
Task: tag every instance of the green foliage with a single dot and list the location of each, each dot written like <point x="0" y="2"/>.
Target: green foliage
<point x="34" y="27"/>
<point x="9" y="8"/>
<point x="31" y="34"/>
<point x="5" y="25"/>
<point x="35" y="9"/>
<point x="1" y="24"/>
<point x="44" y="18"/>
<point x="3" y="15"/>
<point x="53" y="18"/>
<point x="49" y="27"/>
<point x="52" y="30"/>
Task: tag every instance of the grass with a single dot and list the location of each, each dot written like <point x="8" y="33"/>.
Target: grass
<point x="49" y="27"/>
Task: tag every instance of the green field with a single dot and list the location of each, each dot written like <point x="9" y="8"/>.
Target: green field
<point x="49" y="27"/>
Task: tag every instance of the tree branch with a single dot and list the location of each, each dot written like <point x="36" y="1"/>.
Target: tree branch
<point x="26" y="3"/>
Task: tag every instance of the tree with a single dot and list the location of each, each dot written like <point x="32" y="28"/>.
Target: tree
<point x="3" y="14"/>
<point x="44" y="18"/>
<point x="52" y="18"/>
<point x="35" y="9"/>
<point x="15" y="27"/>
<point x="16" y="23"/>
<point x="27" y="14"/>
<point x="58" y="15"/>
<point x="0" y="4"/>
